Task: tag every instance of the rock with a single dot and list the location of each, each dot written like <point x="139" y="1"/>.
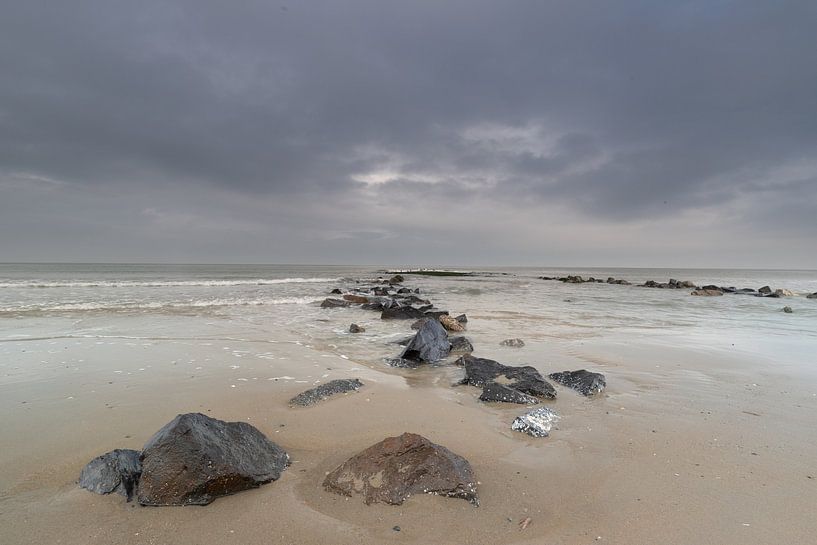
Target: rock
<point x="334" y="303"/>
<point x="499" y="392"/>
<point x="396" y="279"/>
<point x="513" y="343"/>
<point x="352" y="298"/>
<point x="787" y="310"/>
<point x="116" y="471"/>
<point x="383" y="292"/>
<point x="354" y="328"/>
<point x="324" y="391"/>
<point x="461" y="345"/>
<point x="707" y="293"/>
<point x="462" y="318"/>
<point x="404" y="290"/>
<point x="194" y="459"/>
<point x="812" y="296"/>
<point x="536" y="423"/>
<point x="336" y="291"/>
<point x="436" y="314"/>
<point x="784" y="293"/>
<point x="765" y="290"/>
<point x="401" y="313"/>
<point x="584" y="382"/>
<point x="413" y="299"/>
<point x="430" y="344"/>
<point x="481" y="371"/>
<point x="376" y="305"/>
<point x="451" y="324"/>
<point x="397" y="467"/>
<point x="686" y="284"/>
<point x="419" y="323"/>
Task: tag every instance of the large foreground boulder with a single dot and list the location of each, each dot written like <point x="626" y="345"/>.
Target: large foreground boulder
<point x="526" y="379"/>
<point x="194" y="459"/>
<point x="324" y="391"/>
<point x="584" y="382"/>
<point x="116" y="471"/>
<point x="397" y="467"/>
<point x="430" y="344"/>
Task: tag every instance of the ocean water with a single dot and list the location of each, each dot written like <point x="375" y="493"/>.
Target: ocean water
<point x="278" y="302"/>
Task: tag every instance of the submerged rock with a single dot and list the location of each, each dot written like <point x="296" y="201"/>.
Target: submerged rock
<point x="336" y="291"/>
<point x="451" y="324"/>
<point x="358" y="299"/>
<point x="812" y="296"/>
<point x="334" y="303"/>
<point x="787" y="310"/>
<point x="324" y="391"/>
<point x="194" y="459"/>
<point x="461" y="345"/>
<point x="430" y="344"/>
<point x="481" y="371"/>
<point x="500" y="392"/>
<point x="462" y="318"/>
<point x="585" y="382"/>
<point x="354" y="328"/>
<point x="513" y="343"/>
<point x="396" y="279"/>
<point x="401" y="313"/>
<point x="707" y="292"/>
<point x="397" y="467"/>
<point x="116" y="471"/>
<point x="536" y="423"/>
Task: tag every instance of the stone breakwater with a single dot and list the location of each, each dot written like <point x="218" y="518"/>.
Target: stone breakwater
<point x="195" y="459"/>
<point x="703" y="290"/>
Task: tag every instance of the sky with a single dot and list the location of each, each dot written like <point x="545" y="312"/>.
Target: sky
<point x="515" y="132"/>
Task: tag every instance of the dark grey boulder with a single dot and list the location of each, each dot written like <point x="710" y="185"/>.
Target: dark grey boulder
<point x="765" y="290"/>
<point x="354" y="328"/>
<point x="461" y="345"/>
<point x="430" y="344"/>
<point x="401" y="313"/>
<point x="526" y="379"/>
<point x="324" y="391"/>
<point x="462" y="318"/>
<point x="334" y="303"/>
<point x="336" y="291"/>
<point x="398" y="467"/>
<point x="585" y="382"/>
<point x="500" y="392"/>
<point x="194" y="459"/>
<point x="116" y="471"/>
<point x="414" y="300"/>
<point x="812" y="296"/>
<point x="404" y="290"/>
<point x="396" y="279"/>
<point x="787" y="310"/>
<point x="436" y="313"/>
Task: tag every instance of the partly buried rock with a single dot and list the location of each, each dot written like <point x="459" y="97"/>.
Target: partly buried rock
<point x="430" y="344"/>
<point x="354" y="328"/>
<point x="397" y="467"/>
<point x="585" y="382"/>
<point x="116" y="471"/>
<point x="401" y="313"/>
<point x="500" y="392"/>
<point x="481" y="371"/>
<point x="536" y="423"/>
<point x="194" y="459"/>
<point x="324" y="391"/>
<point x="461" y="345"/>
<point x="707" y="292"/>
<point x="787" y="310"/>
<point x="334" y="303"/>
<point x="450" y="324"/>
<point x="513" y="343"/>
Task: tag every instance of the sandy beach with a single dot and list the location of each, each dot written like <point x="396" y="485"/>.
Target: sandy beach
<point x="689" y="444"/>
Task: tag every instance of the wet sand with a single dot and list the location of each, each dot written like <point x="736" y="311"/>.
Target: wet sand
<point x="685" y="446"/>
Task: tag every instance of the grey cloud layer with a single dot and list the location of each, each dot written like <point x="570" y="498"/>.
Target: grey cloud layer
<point x="629" y="115"/>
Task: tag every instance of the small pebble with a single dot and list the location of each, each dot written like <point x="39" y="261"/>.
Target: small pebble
<point x="396" y="528"/>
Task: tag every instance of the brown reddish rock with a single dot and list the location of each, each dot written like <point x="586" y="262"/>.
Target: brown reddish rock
<point x="450" y="323"/>
<point x="352" y="298"/>
<point x="397" y="467"/>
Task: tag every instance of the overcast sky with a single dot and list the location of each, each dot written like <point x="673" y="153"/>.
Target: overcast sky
<point x="514" y="132"/>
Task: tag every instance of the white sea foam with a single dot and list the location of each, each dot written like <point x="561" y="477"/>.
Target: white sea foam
<point x="159" y="305"/>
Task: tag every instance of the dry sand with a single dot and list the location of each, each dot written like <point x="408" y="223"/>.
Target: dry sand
<point x="697" y="450"/>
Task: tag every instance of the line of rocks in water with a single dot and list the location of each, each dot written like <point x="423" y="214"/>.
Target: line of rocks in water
<point x="195" y="458"/>
<point x="707" y="290"/>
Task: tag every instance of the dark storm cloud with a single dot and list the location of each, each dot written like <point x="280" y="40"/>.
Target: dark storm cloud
<point x="614" y="113"/>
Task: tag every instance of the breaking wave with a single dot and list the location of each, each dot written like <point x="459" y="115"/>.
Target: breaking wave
<point x="163" y="284"/>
